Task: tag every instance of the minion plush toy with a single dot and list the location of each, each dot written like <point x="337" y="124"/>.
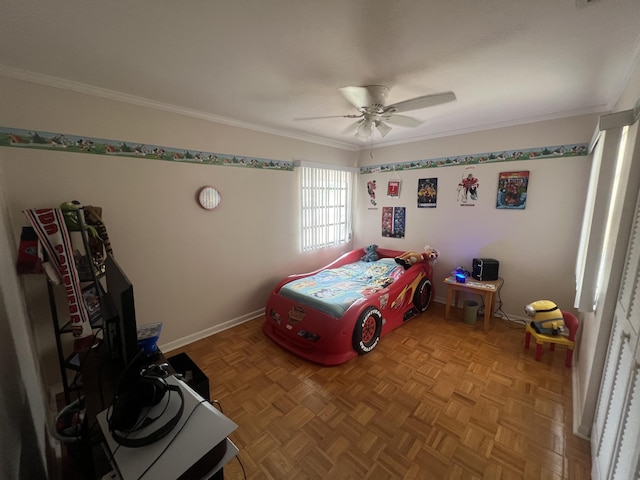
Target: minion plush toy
<point x="547" y="317"/>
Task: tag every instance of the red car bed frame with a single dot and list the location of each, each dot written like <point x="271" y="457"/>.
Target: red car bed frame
<point x="324" y="339"/>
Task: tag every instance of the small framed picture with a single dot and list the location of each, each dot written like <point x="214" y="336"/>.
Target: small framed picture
<point x="512" y="190"/>
<point x="91" y="298"/>
<point x="393" y="188"/>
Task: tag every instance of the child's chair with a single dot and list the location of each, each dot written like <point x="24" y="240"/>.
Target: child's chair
<point x="572" y="324"/>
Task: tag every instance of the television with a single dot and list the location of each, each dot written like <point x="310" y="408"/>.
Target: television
<point x="120" y="323"/>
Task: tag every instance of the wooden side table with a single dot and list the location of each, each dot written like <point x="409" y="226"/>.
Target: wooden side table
<point x="486" y="288"/>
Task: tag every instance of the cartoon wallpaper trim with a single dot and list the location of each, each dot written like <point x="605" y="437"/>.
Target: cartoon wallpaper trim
<point x="42" y="140"/>
<point x="15" y="137"/>
<point x="537" y="153"/>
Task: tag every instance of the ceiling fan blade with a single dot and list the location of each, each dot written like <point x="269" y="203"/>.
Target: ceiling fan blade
<point x="403" y="121"/>
<point x="352" y="128"/>
<point x="365" y="96"/>
<point x="421" y="102"/>
<point x="328" y="116"/>
<point x="383" y="128"/>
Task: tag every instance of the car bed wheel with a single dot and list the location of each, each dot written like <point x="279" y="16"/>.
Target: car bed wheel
<point x="422" y="297"/>
<point x="366" y="335"/>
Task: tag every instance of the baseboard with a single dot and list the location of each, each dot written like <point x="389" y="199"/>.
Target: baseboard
<point x="181" y="342"/>
<point x="221" y="327"/>
<point x="578" y="429"/>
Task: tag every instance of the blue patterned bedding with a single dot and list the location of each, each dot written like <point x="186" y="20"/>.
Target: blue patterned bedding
<point x="334" y="290"/>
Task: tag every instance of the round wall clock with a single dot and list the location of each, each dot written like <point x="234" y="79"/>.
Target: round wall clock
<point x="209" y="198"/>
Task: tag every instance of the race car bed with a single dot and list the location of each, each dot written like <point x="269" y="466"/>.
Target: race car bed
<point x="339" y="311"/>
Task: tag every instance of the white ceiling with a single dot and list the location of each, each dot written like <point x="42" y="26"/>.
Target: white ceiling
<point x="264" y="63"/>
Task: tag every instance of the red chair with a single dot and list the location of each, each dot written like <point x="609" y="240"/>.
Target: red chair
<point x="570" y="322"/>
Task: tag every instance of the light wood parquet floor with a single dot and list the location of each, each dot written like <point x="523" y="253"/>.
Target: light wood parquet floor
<point x="437" y="399"/>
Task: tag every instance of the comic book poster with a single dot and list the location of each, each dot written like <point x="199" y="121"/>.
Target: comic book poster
<point x="512" y="190"/>
<point x="393" y="222"/>
<point x="427" y="192"/>
<point x="468" y="188"/>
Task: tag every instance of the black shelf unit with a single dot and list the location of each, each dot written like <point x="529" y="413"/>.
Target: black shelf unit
<point x="70" y="362"/>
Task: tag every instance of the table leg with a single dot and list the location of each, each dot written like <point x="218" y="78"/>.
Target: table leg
<point x="447" y="307"/>
<point x="488" y="308"/>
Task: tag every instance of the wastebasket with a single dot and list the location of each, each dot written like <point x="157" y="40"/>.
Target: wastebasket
<point x="470" y="311"/>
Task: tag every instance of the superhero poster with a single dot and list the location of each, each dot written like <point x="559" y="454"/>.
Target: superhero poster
<point x="393" y="222"/>
<point x="512" y="190"/>
<point x="427" y="192"/>
<point x="371" y="191"/>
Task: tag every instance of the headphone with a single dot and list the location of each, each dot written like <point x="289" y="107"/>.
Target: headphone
<point x="144" y="392"/>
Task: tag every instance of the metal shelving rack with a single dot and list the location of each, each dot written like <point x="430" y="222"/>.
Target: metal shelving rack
<point x="73" y="362"/>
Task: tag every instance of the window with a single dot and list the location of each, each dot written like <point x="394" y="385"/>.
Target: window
<point x="325" y="207"/>
<point x="606" y="197"/>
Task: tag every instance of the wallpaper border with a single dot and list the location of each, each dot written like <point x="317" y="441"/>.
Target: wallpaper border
<point x="41" y="140"/>
<point x="537" y="153"/>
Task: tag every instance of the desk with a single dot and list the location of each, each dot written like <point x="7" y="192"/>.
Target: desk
<point x="185" y="452"/>
<point x="486" y="288"/>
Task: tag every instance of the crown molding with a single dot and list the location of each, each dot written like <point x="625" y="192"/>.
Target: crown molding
<point x="85" y="89"/>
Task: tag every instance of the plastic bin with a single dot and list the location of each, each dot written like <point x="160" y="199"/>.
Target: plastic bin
<point x="470" y="312"/>
<point x="191" y="374"/>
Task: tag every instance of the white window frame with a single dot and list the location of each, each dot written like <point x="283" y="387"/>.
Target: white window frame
<point x="611" y="161"/>
<point x="326" y="194"/>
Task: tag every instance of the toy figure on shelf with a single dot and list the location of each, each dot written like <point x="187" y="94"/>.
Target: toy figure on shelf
<point x="409" y="258"/>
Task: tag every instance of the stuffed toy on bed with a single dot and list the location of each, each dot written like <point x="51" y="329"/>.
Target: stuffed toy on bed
<point x="370" y="254"/>
<point x="409" y="258"/>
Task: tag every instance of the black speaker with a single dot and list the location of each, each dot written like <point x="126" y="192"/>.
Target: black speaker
<point x="485" y="269"/>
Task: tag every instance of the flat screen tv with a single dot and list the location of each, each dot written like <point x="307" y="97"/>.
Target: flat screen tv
<point x="120" y="324"/>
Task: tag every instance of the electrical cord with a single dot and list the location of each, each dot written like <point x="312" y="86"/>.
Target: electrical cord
<point x="140" y="423"/>
<point x="498" y="312"/>
<point x="503" y="315"/>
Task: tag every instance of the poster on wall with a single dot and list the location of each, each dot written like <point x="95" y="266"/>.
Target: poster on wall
<point x="427" y="192"/>
<point x="393" y="188"/>
<point x="371" y="190"/>
<point x="393" y="222"/>
<point x="512" y="190"/>
<point x="468" y="188"/>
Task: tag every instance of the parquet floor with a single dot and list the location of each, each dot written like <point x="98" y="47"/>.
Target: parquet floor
<point x="436" y="399"/>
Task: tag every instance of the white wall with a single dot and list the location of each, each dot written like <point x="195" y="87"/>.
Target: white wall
<point x="194" y="270"/>
<point x="23" y="400"/>
<point x="536" y="247"/>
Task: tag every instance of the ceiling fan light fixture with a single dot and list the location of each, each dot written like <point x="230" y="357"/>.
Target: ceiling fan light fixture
<point x="365" y="129"/>
<point x="383" y="128"/>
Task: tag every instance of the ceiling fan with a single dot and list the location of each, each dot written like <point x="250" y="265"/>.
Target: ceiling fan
<point x="370" y="100"/>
